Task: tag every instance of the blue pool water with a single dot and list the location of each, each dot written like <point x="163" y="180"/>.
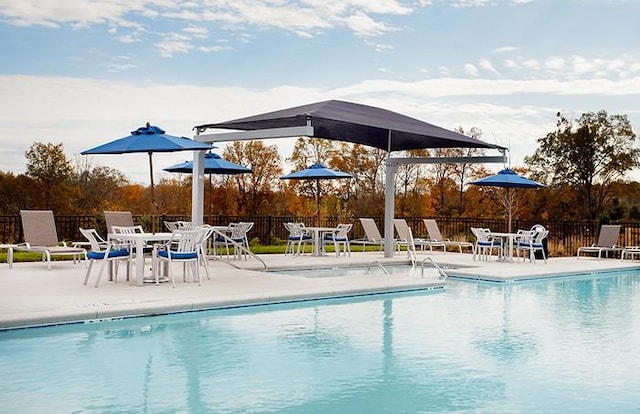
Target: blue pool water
<point x="560" y="346"/>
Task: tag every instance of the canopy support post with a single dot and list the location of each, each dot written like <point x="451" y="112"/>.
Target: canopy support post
<point x="197" y="187"/>
<point x="389" y="207"/>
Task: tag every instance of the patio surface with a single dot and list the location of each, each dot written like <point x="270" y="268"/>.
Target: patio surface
<point x="32" y="295"/>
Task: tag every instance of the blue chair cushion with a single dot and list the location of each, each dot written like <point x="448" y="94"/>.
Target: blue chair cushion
<point x="296" y="238"/>
<point x="488" y="243"/>
<point x="329" y="237"/>
<point x="178" y="255"/>
<point x="532" y="245"/>
<point x="112" y="253"/>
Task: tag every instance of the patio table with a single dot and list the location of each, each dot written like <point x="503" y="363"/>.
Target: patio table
<point x="318" y="233"/>
<point x="138" y="240"/>
<point x="509" y="238"/>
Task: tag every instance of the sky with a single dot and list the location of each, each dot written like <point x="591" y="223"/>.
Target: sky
<point x="85" y="72"/>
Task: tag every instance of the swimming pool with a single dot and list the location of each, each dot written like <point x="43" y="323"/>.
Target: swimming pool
<point x="567" y="345"/>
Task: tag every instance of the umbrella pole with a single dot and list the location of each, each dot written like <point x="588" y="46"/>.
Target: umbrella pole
<point x="318" y="200"/>
<point x="153" y="194"/>
<point x="210" y="191"/>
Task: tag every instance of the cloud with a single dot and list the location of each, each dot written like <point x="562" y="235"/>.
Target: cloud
<point x="305" y="18"/>
<point x="173" y="44"/>
<point x="365" y="26"/>
<point x="505" y="49"/>
<point x="487" y="65"/>
<point x="83" y="113"/>
<point x="470" y="69"/>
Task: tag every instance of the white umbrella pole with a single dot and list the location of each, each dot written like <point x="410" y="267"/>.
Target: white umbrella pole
<point x="153" y="193"/>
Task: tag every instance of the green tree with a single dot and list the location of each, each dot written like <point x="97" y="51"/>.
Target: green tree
<point x="588" y="155"/>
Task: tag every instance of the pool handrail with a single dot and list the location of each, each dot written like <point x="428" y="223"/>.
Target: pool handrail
<point x="377" y="262"/>
<point x="443" y="275"/>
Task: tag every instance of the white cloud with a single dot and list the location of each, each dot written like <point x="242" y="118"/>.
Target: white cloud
<point x="365" y="26"/>
<point x="198" y="32"/>
<point x="487" y="65"/>
<point x="470" y="69"/>
<point x="505" y="49"/>
<point x="554" y="64"/>
<point x="86" y="112"/>
<point x="302" y="17"/>
<point x="173" y="44"/>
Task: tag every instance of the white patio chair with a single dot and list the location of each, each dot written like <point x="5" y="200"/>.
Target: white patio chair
<point x="41" y="236"/>
<point x="185" y="246"/>
<point x="110" y="252"/>
<point x="531" y="241"/>
<point x="178" y="225"/>
<point x="485" y="244"/>
<point x="298" y="237"/>
<point x="338" y="237"/>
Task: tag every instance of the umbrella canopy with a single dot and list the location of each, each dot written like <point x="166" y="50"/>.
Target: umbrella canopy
<point x="361" y="124"/>
<point x="148" y="139"/>
<point x="213" y="164"/>
<point x="509" y="180"/>
<point x="317" y="172"/>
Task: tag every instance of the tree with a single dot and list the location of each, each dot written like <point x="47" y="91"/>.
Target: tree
<point x="49" y="166"/>
<point x="255" y="190"/>
<point x="97" y="186"/>
<point x="588" y="156"/>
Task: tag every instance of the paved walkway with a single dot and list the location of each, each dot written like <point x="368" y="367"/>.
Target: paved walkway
<point x="31" y="295"/>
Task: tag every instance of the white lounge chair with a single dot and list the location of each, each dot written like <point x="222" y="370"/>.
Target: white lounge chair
<point x="372" y="234"/>
<point x="117" y="218"/>
<point x="436" y="239"/>
<point x="607" y="242"/>
<point x="40" y="235"/>
<point x="405" y="238"/>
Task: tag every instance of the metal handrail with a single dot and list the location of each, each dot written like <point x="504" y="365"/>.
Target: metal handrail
<point x="443" y="275"/>
<point x="377" y="262"/>
<point x="239" y="246"/>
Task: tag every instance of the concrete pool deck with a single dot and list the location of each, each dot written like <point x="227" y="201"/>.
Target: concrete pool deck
<point x="32" y="296"/>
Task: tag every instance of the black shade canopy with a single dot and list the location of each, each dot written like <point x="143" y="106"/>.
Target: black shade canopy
<point x="361" y="124"/>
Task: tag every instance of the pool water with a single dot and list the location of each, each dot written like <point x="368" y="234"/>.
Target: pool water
<point x="560" y="346"/>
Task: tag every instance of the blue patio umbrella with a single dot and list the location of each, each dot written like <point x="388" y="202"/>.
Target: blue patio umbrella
<point x="508" y="179"/>
<point x="317" y="172"/>
<point x="213" y="164"/>
<point x="148" y="139"/>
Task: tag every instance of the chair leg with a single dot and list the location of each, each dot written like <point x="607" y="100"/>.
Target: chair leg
<point x="86" y="276"/>
<point x="104" y="262"/>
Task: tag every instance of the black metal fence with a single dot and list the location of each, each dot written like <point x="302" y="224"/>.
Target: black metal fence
<point x="564" y="236"/>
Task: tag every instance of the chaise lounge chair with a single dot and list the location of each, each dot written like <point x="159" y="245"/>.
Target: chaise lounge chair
<point x="117" y="218"/>
<point x="405" y="238"/>
<point x="372" y="234"/>
<point x="41" y="236"/>
<point x="436" y="239"/>
<point x="607" y="242"/>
